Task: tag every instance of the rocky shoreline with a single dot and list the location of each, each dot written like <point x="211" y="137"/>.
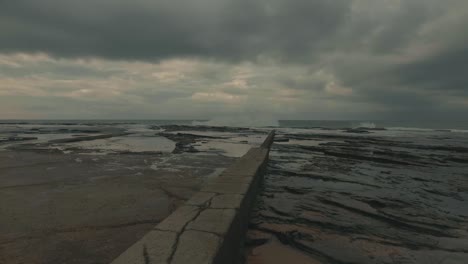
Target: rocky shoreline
<point x="371" y="198"/>
<point x="329" y="195"/>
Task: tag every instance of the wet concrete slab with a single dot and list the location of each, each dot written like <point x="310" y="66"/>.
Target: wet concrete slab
<point x="196" y="247"/>
<point x="79" y="208"/>
<point x="152" y="248"/>
<point x="83" y="193"/>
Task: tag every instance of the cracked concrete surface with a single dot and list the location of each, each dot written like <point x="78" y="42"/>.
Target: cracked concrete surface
<point x="211" y="226"/>
<point x="76" y="208"/>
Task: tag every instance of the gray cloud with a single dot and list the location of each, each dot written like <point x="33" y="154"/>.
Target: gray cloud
<point x="198" y="58"/>
<point x="145" y="29"/>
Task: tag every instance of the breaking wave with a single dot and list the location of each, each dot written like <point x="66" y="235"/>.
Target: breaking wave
<point x="366" y="125"/>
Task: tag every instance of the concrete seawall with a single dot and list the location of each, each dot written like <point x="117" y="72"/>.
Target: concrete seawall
<point x="211" y="226"/>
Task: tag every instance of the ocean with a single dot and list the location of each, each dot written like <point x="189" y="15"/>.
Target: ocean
<point x="334" y="191"/>
<point x="460" y="126"/>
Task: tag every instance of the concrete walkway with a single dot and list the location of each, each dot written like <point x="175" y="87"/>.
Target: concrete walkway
<point x="211" y="226"/>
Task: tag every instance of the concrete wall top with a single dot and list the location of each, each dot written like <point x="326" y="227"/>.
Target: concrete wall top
<point x="211" y="226"/>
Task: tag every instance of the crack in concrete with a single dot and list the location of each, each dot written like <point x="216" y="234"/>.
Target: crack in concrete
<point x="145" y="255"/>
<point x="174" y="246"/>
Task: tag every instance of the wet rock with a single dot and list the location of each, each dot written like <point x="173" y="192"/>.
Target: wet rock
<point x="169" y="128"/>
<point x="295" y="191"/>
<point x="357" y="131"/>
<point x="85" y="138"/>
<point x="16" y="139"/>
<point x="366" y="199"/>
<point x="185" y="142"/>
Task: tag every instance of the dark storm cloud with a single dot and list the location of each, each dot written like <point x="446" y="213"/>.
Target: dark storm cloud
<point x="412" y="62"/>
<point x="53" y="70"/>
<point x="426" y="87"/>
<point x="399" y="30"/>
<point x="446" y="71"/>
<point x="389" y="57"/>
<point x="145" y="29"/>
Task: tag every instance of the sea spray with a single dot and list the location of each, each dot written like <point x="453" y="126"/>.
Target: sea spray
<point x="366" y="125"/>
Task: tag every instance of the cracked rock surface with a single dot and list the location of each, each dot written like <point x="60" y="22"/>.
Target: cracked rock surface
<point x="376" y="197"/>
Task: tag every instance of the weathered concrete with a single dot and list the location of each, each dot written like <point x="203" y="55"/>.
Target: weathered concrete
<point x="77" y="208"/>
<point x="227" y="187"/>
<point x="215" y="221"/>
<point x="211" y="226"/>
<point x="232" y="201"/>
<point x="179" y="219"/>
<point x="154" y="247"/>
<point x="200" y="198"/>
<point x="196" y="247"/>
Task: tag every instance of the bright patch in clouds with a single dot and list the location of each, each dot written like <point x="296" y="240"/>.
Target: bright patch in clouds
<point x="289" y="59"/>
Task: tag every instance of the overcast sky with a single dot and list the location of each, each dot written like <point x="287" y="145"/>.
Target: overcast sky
<point x="282" y="59"/>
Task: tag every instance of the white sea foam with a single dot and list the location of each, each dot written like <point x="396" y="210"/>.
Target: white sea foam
<point x="417" y="129"/>
<point x="410" y="129"/>
<point x="459" y="130"/>
<point x="367" y="125"/>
